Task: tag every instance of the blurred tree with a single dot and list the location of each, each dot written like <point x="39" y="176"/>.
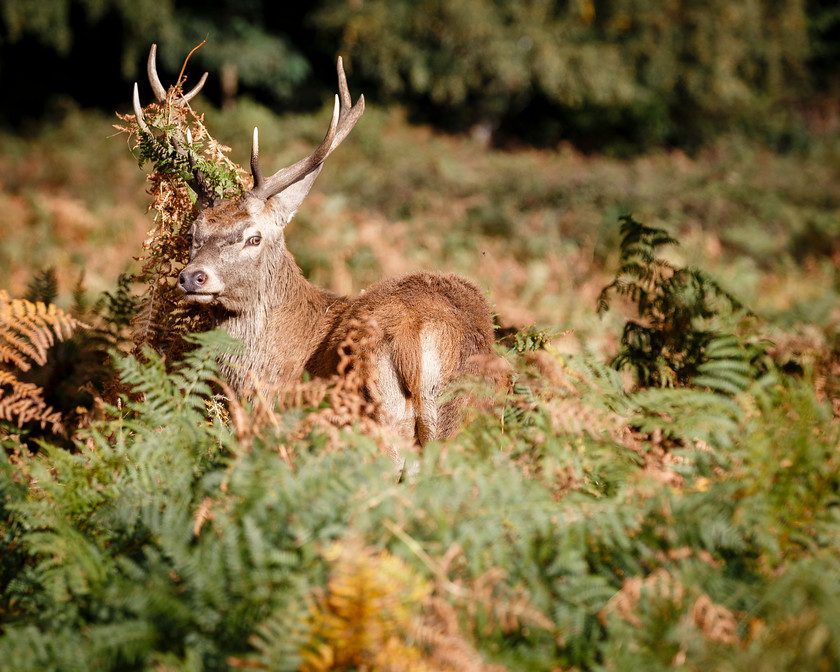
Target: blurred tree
<point x="824" y="28"/>
<point x="601" y="73"/>
<point x="84" y="49"/>
<point x="651" y="69"/>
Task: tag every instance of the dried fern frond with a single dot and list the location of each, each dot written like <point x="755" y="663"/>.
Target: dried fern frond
<point x="714" y="621"/>
<point x="21" y="403"/>
<point x="352" y="398"/>
<point x="343" y="401"/>
<point x="27" y="331"/>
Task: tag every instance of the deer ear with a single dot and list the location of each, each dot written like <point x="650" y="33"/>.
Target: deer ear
<point x="286" y="203"/>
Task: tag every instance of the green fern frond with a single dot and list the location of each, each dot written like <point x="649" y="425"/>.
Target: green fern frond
<point x="279" y="640"/>
<point x="688" y="415"/>
<point x="43" y="287"/>
<point x="681" y="314"/>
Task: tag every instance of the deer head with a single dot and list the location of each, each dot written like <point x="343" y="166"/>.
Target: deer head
<point x="235" y="242"/>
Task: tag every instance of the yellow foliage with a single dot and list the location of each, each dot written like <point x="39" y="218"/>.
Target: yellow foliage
<point x="365" y="620"/>
<point x="28" y="330"/>
<point x="379" y="615"/>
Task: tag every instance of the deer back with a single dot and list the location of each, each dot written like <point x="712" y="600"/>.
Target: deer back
<point x="425" y="330"/>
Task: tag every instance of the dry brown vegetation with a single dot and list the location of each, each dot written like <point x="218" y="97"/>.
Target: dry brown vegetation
<point x="537" y="230"/>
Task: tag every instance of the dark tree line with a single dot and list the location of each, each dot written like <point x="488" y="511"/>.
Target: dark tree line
<point x="599" y="72"/>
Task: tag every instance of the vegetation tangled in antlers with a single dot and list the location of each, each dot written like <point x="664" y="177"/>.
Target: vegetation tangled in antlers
<point x="172" y="137"/>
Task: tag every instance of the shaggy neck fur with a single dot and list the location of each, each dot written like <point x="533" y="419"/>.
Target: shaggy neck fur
<point x="281" y="328"/>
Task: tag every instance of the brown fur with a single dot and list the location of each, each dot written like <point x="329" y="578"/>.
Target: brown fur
<point x="429" y="328"/>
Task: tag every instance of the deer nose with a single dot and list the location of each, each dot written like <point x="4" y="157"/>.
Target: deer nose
<point x="192" y="281"/>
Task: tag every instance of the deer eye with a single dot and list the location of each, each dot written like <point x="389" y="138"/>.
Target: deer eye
<point x="189" y="238"/>
<point x="254" y="241"/>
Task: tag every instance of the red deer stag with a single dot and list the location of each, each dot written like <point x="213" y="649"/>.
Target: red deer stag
<point x="428" y="328"/>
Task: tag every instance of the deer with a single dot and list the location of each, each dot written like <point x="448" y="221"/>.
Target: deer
<point x="428" y="329"/>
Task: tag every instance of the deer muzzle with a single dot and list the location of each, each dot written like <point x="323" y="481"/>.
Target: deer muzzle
<point x="199" y="285"/>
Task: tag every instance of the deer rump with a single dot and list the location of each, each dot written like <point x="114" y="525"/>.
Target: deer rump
<point x="417" y="333"/>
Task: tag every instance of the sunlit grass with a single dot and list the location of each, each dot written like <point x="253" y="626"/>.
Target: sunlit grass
<point x="536" y="229"/>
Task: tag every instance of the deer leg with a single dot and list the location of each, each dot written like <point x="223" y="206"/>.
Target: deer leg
<point x="450" y="416"/>
<point x="426" y="400"/>
<point x="395" y="408"/>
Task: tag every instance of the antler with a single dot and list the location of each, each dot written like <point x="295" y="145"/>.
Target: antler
<point x="345" y="116"/>
<point x="159" y="90"/>
<point x="206" y="197"/>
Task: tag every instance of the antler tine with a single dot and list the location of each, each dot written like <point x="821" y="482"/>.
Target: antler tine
<point x="259" y="180"/>
<point x="266" y="188"/>
<point x="157" y="86"/>
<point x="154" y="80"/>
<point x="346" y="101"/>
<point x="187" y="97"/>
<point x="349" y="115"/>
<point x="138" y="112"/>
<point x="345" y="115"/>
<point x="159" y="90"/>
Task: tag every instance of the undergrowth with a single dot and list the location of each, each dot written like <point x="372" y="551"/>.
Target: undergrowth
<point x="577" y="521"/>
<point x="686" y="327"/>
<point x="674" y="506"/>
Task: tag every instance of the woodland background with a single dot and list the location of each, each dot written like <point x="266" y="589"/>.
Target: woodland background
<point x="649" y="193"/>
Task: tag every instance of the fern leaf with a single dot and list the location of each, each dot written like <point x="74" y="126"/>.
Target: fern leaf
<point x="364" y="619"/>
<point x="729" y="376"/>
<point x="727" y="368"/>
<point x="689" y="415"/>
<point x="43" y="287"/>
<point x="27" y="331"/>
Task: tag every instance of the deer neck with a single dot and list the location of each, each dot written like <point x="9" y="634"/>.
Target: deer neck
<point x="280" y="329"/>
